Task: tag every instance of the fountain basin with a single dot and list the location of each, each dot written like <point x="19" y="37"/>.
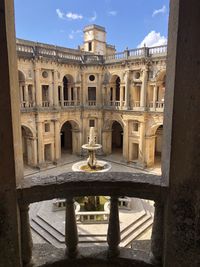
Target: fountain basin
<point x="82" y="166"/>
<point x="91" y="148"/>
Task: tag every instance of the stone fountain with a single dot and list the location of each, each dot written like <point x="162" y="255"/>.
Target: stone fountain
<point x="91" y="164"/>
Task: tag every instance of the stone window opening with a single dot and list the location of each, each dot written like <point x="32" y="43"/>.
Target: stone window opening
<point x="47" y="127"/>
<point x="91" y="123"/>
<point x="90" y="46"/>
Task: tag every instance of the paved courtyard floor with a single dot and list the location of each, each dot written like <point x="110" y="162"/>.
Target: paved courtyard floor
<point x="68" y="160"/>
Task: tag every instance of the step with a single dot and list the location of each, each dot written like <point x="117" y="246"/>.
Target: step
<point x="48" y="228"/>
<point x="45" y="235"/>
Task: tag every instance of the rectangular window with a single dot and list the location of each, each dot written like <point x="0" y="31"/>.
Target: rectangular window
<point x="45" y="93"/>
<point x="91" y="123"/>
<point x="90" y="46"/>
<point x="135" y="126"/>
<point x="47" y="127"/>
<point x="92" y="93"/>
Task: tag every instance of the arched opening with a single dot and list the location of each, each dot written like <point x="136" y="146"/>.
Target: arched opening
<point x="27" y="146"/>
<point x="158" y="146"/>
<point x="117" y="138"/>
<point x="21" y="79"/>
<point x="68" y="90"/>
<point x="69" y="139"/>
<point x="115" y="90"/>
<point x="160" y="90"/>
<point x="66" y="138"/>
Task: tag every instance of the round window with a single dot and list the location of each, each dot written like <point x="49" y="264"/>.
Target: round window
<point x="91" y="78"/>
<point x="44" y="74"/>
<point x="137" y="75"/>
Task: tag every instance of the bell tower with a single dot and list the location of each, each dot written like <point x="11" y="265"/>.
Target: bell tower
<point x="95" y="39"/>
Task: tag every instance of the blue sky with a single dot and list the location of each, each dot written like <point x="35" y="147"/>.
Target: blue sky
<point x="128" y="23"/>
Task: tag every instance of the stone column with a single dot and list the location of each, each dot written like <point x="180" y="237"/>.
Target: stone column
<point x="57" y="140"/>
<point x="69" y="92"/>
<point x="114" y="93"/>
<point x="51" y="87"/>
<point x="142" y="143"/>
<point x="33" y="95"/>
<point x="40" y="142"/>
<point x="125" y="142"/>
<point x="157" y="233"/>
<point x="26" y="98"/>
<point x="149" y="150"/>
<point x="55" y="88"/>
<point x="75" y="95"/>
<point x="61" y="96"/>
<point x="38" y="88"/>
<point x="127" y="104"/>
<point x="144" y="88"/>
<point x="121" y="95"/>
<point x="21" y="93"/>
<point x="71" y="233"/>
<point x="26" y="237"/>
<point x="154" y="96"/>
<point x="113" y="236"/>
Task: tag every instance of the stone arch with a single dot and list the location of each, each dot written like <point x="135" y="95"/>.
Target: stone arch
<point x="154" y="144"/>
<point x="29" y="145"/>
<point x="68" y="87"/>
<point x="115" y="82"/>
<point x="161" y="76"/>
<point x="117" y="137"/>
<point x="21" y="76"/>
<point x="69" y="138"/>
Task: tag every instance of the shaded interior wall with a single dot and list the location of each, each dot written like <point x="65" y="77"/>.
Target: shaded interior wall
<point x="117" y="135"/>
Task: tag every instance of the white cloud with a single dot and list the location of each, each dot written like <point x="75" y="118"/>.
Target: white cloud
<point x="60" y="14"/>
<point x="73" y="16"/>
<point x="159" y="11"/>
<point x="112" y="13"/>
<point x="71" y="36"/>
<point x="94" y="17"/>
<point x="153" y="39"/>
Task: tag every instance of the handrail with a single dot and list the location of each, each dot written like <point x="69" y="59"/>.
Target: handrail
<point x="147" y="186"/>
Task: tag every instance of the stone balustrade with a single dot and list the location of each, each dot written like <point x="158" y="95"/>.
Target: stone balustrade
<point x="60" y="54"/>
<point x="68" y="185"/>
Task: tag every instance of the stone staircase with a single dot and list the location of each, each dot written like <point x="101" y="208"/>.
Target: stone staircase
<point x="46" y="232"/>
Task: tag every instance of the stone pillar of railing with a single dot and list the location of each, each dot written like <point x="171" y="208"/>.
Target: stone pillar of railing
<point x="26" y="238"/>
<point x="154" y="96"/>
<point x="26" y="95"/>
<point x="113" y="236"/>
<point x="157" y="233"/>
<point x="144" y="88"/>
<point x="71" y="233"/>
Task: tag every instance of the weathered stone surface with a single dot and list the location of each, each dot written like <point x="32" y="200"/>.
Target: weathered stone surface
<point x="79" y="184"/>
<point x="49" y="256"/>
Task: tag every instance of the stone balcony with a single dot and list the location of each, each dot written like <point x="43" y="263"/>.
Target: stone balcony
<point x="69" y="185"/>
<point x="27" y="49"/>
